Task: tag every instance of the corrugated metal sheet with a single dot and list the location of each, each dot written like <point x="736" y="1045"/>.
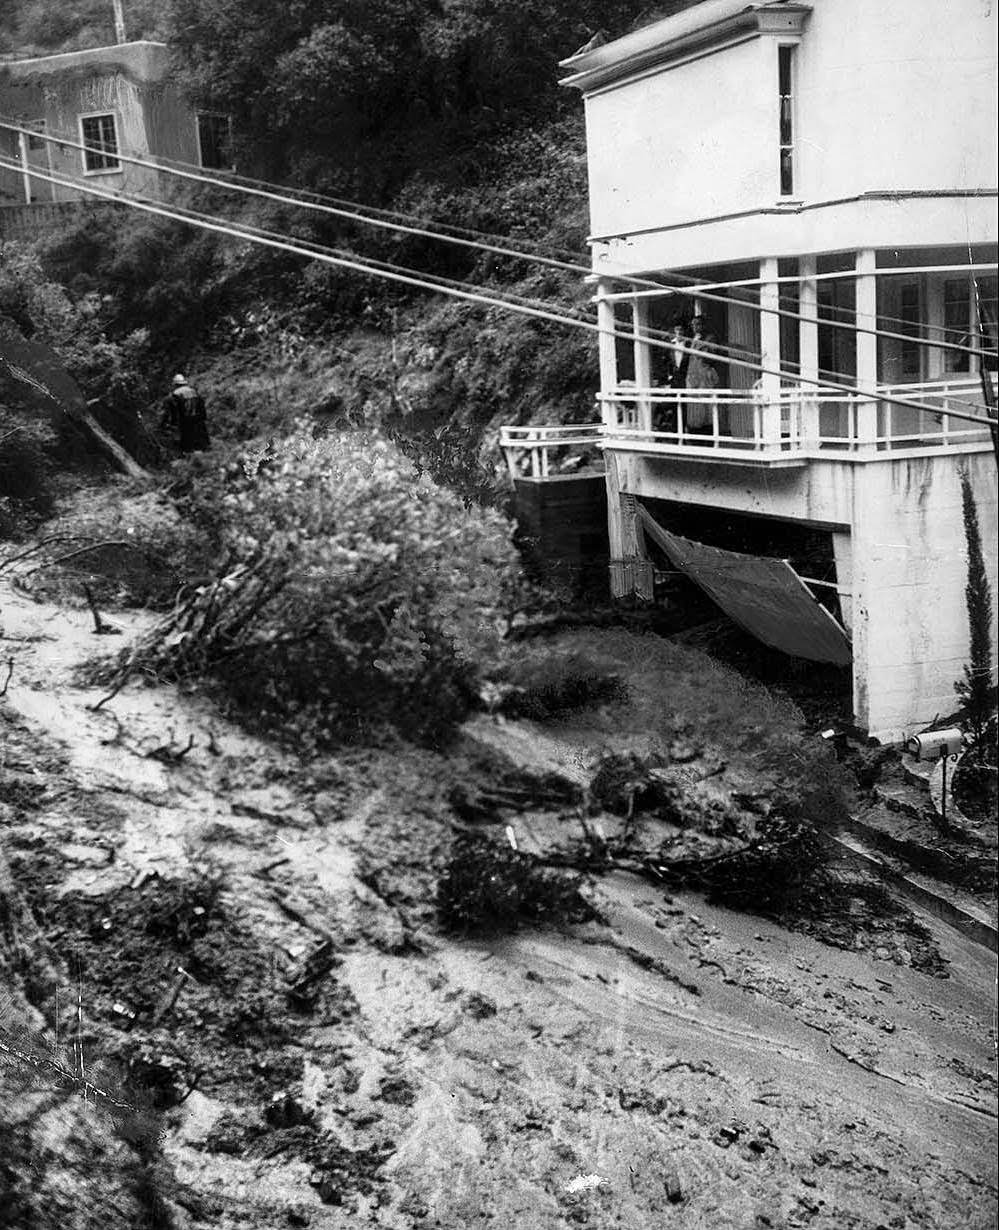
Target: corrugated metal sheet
<point x="764" y="596"/>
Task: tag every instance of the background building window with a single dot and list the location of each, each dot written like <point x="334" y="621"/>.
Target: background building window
<point x="785" y="76"/>
<point x="214" y="141"/>
<point x="99" y="136"/>
<point x="36" y="142"/>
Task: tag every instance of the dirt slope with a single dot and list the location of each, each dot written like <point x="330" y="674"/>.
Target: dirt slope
<point x="341" y="1063"/>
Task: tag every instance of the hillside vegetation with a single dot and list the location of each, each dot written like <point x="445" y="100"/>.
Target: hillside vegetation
<point x="446" y="110"/>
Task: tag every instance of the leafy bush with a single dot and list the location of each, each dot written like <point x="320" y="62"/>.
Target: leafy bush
<point x="75" y="326"/>
<point x="26" y="472"/>
<point x="491" y="887"/>
<point x="345" y="590"/>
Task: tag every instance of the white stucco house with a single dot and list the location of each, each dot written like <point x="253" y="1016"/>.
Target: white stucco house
<point x="837" y="160"/>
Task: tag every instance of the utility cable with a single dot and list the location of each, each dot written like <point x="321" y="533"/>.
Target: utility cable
<point x="694" y="290"/>
<point x="224" y="227"/>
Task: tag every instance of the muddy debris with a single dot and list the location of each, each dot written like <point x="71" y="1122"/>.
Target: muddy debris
<point x="490" y="887"/>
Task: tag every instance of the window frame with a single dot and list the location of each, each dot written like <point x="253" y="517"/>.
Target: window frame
<point x="118" y="168"/>
<point x="787" y="52"/>
<point x="230" y="165"/>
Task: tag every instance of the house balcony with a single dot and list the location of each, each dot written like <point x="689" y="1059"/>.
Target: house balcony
<point x="748" y="427"/>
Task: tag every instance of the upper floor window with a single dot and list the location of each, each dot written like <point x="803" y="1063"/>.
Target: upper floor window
<point x="99" y="135"/>
<point x="214" y="141"/>
<point x="785" y="87"/>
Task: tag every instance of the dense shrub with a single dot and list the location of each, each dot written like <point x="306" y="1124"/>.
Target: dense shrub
<point x="345" y="589"/>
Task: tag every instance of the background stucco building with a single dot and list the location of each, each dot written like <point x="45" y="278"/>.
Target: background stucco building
<point x="116" y="100"/>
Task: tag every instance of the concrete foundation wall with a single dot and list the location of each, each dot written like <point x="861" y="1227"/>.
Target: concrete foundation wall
<point x="899" y="542"/>
<point x="817" y="492"/>
<point x="910" y="622"/>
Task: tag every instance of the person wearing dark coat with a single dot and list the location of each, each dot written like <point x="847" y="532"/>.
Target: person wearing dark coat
<point x="184" y="413"/>
<point x="677" y="359"/>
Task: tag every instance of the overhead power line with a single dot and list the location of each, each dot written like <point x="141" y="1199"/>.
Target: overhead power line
<point x="648" y="286"/>
<point x="412" y="278"/>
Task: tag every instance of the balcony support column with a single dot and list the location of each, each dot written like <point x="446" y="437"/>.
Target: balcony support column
<point x="808" y="351"/>
<point x="643" y="359"/>
<point x="770" y="351"/>
<point x="630" y="570"/>
<point x="867" y="349"/>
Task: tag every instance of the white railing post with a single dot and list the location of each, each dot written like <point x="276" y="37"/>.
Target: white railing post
<point x="808" y="354"/>
<point x="607" y="344"/>
<point x="643" y="360"/>
<point x="867" y="349"/>
<point x="714" y="419"/>
<point x="770" y="352"/>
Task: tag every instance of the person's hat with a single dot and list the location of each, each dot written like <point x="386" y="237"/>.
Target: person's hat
<point x="177" y="380"/>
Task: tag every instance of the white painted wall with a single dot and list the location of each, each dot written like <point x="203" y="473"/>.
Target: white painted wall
<point x="676" y="146"/>
<point x="897" y="96"/>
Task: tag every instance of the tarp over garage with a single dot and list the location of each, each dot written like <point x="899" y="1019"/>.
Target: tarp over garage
<point x="764" y="596"/>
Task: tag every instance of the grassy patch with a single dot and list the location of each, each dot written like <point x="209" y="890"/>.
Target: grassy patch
<point x="559" y="684"/>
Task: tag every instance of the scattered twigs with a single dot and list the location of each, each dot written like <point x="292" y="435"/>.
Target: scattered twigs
<point x="62" y="1076"/>
<point x="167" y="753"/>
<point x="10" y="675"/>
<point x="118" y="738"/>
<point x="36" y="547"/>
<point x="101" y="627"/>
<point x="119" y="683"/>
<point x="169" y="1001"/>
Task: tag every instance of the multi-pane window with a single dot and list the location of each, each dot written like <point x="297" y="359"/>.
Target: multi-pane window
<point x="910" y="324"/>
<point x="101" y="142"/>
<point x="214" y="141"/>
<point x="957" y="321"/>
<point x="785" y="76"/>
<point x="970" y="321"/>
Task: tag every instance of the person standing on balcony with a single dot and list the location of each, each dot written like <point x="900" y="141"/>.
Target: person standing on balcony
<point x="677" y="358"/>
<point x="701" y="374"/>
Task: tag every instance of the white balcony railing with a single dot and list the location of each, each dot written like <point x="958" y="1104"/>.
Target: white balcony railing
<point x="745" y="425"/>
<point x="540" y="452"/>
<point x="797" y="420"/>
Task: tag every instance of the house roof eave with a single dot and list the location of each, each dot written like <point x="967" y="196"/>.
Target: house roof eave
<point x="696" y="29"/>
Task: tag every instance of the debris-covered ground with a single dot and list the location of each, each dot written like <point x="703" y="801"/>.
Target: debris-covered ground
<point x="255" y="947"/>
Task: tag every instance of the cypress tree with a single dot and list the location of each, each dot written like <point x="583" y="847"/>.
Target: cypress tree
<point x="975" y="689"/>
